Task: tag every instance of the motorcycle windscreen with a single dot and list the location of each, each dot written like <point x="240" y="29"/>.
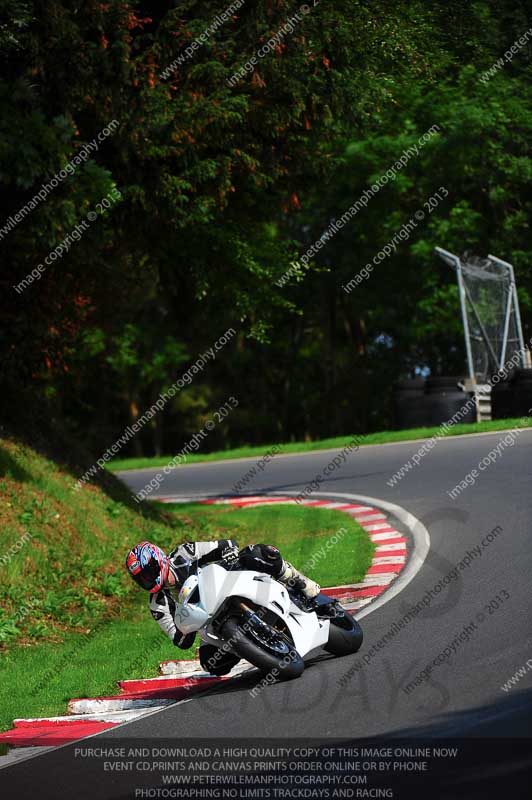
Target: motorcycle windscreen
<point x="190" y="615"/>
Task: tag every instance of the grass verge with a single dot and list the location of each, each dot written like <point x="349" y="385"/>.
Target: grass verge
<point x="71" y="622"/>
<point x="381" y="437"/>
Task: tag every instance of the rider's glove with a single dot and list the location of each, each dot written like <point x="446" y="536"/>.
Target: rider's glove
<point x="230" y="554"/>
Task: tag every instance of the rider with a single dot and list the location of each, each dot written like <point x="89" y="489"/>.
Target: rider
<point x="163" y="576"/>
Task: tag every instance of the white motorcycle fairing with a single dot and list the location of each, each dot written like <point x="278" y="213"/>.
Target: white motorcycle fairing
<point x="203" y="594"/>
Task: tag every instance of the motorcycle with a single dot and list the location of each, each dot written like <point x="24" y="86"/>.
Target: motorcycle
<point x="251" y="615"/>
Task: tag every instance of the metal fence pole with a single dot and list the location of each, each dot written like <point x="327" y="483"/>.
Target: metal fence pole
<point x="513" y="290"/>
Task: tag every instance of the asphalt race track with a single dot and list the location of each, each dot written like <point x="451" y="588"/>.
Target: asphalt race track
<point x="463" y="695"/>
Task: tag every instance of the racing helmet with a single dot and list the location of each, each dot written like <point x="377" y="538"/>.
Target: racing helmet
<point x="148" y="565"/>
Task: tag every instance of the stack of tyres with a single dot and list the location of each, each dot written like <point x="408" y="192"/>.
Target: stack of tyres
<point x="502" y="400"/>
<point x="513" y="398"/>
<point x="410" y="404"/>
<point x="522" y="392"/>
<point x="446" y="398"/>
<point x="421" y="403"/>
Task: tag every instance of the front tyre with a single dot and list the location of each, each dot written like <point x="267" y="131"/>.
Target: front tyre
<point x="345" y="634"/>
<point x="264" y="647"/>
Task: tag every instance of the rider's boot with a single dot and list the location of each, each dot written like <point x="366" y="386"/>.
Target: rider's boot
<point x="216" y="661"/>
<point x="295" y="579"/>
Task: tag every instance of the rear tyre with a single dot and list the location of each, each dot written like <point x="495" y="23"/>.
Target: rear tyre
<point x="270" y="652"/>
<point x="345" y="635"/>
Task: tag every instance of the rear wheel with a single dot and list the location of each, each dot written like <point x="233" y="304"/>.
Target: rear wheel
<point x="345" y="634"/>
<point x="264" y="647"/>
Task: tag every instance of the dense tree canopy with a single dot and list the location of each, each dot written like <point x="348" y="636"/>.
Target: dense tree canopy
<point x="199" y="192"/>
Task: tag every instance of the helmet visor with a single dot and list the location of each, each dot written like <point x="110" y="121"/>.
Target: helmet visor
<point x="145" y="582"/>
<point x="147" y="577"/>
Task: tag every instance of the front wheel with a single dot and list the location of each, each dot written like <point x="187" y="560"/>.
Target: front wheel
<point x="345" y="634"/>
<point x="264" y="647"/>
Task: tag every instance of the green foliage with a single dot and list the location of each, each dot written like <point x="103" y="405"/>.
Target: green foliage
<point x="63" y="550"/>
<point x="225" y="186"/>
<point x="8" y="628"/>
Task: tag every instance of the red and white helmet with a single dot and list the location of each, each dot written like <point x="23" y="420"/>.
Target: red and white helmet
<point x="148" y="565"/>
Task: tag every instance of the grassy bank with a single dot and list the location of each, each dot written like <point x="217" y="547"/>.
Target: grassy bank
<point x="71" y="621"/>
<point x="65" y="595"/>
<point x="381" y="437"/>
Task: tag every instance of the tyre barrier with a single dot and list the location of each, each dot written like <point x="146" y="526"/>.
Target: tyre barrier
<point x="512" y="398"/>
<point x="410" y="410"/>
<point x="422" y="403"/>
